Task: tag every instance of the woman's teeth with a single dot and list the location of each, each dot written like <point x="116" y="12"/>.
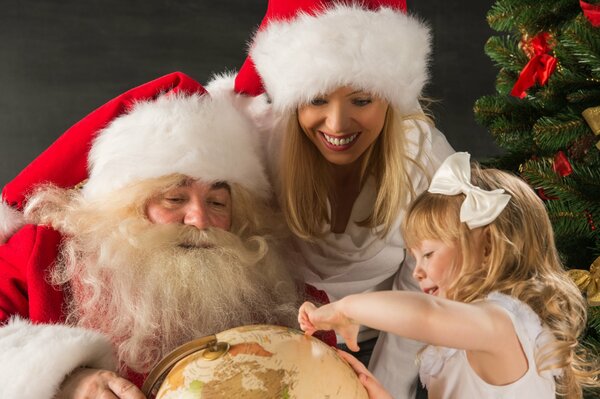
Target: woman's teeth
<point x="338" y="141"/>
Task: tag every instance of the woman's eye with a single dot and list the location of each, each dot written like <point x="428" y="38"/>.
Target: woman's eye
<point x="318" y="101"/>
<point x="428" y="255"/>
<point x="361" y="102"/>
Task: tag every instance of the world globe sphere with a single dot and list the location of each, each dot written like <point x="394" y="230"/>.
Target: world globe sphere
<point x="254" y="362"/>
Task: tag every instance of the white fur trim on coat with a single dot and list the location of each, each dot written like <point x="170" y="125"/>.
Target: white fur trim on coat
<point x="10" y="221"/>
<point x="200" y="136"/>
<point x="384" y="52"/>
<point x="35" y="359"/>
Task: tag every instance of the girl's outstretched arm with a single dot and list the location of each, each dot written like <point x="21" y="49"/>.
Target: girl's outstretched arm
<point x="426" y="318"/>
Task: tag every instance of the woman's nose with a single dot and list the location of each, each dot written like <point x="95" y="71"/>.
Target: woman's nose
<point x="337" y="119"/>
<point x="197" y="215"/>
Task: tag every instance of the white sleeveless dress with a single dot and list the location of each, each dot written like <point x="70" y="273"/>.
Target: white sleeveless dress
<point x="447" y="373"/>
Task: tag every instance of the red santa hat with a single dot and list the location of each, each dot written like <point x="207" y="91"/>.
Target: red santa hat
<point x="306" y="48"/>
<point x="169" y="125"/>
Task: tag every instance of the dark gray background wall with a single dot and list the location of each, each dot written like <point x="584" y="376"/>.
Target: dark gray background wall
<point x="59" y="60"/>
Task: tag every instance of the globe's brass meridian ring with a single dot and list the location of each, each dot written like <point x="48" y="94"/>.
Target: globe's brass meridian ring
<point x="215" y="351"/>
<point x="160" y="371"/>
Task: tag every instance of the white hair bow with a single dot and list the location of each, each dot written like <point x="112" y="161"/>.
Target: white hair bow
<point x="480" y="207"/>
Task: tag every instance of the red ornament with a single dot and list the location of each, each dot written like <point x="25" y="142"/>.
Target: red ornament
<point x="540" y="66"/>
<point x="542" y="194"/>
<point x="562" y="166"/>
<point x="591" y="12"/>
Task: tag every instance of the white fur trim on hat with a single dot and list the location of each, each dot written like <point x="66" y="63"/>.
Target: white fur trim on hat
<point x="195" y="135"/>
<point x="384" y="52"/>
<point x="35" y="359"/>
<point x="10" y="221"/>
<point x="257" y="108"/>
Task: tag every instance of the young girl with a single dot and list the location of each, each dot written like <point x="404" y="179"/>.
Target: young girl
<point x="500" y="314"/>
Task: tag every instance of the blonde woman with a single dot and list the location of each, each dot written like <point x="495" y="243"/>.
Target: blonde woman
<point x="501" y="315"/>
<point x="350" y="147"/>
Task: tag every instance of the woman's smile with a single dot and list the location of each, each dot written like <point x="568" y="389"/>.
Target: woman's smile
<point x="339" y="142"/>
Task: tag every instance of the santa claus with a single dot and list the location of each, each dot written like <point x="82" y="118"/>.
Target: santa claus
<point x="169" y="238"/>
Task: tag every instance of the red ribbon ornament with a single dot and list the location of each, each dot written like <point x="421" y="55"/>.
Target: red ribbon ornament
<point x="538" y="69"/>
<point x="591" y="12"/>
<point x="562" y="166"/>
<point x="542" y="194"/>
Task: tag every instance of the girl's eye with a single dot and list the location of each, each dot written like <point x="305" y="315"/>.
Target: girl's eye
<point x="427" y="255"/>
<point x="318" y="101"/>
<point x="361" y="102"/>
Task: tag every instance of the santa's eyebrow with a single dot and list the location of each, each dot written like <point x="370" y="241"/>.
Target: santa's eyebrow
<point x="221" y="184"/>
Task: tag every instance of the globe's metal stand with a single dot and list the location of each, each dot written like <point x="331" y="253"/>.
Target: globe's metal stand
<point x="212" y="348"/>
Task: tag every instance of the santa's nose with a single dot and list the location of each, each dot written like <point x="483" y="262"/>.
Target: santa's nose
<point x="197" y="215"/>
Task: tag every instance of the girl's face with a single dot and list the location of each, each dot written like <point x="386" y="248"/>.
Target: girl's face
<point x="194" y="203"/>
<point x="435" y="266"/>
<point x="343" y="123"/>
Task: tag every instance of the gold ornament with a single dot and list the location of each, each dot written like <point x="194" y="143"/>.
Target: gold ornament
<point x="588" y="282"/>
<point x="592" y="117"/>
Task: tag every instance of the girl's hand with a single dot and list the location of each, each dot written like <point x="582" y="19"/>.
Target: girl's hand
<point x="374" y="388"/>
<point x="328" y="317"/>
<point x="305" y="310"/>
<point x="94" y="383"/>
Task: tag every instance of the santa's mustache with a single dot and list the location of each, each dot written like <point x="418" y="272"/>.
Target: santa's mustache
<point x="180" y="237"/>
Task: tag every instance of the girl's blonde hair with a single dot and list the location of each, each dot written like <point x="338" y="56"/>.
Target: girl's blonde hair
<point x="521" y="261"/>
<point x="305" y="177"/>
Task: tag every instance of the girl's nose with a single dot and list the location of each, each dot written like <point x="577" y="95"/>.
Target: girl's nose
<point x="419" y="273"/>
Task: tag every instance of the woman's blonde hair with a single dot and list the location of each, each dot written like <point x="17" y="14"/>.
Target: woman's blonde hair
<point x="305" y="177"/>
<point x="521" y="261"/>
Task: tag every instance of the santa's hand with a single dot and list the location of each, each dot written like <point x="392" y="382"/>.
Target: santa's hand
<point x="94" y="383"/>
<point x="328" y="317"/>
<point x="374" y="388"/>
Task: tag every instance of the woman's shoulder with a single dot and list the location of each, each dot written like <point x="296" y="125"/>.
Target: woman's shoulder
<point x="426" y="149"/>
<point x="425" y="143"/>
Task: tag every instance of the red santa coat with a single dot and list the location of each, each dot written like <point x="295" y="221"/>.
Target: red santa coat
<point x="37" y="351"/>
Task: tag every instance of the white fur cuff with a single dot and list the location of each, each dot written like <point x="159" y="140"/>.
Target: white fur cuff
<point x="10" y="221"/>
<point x="35" y="359"/>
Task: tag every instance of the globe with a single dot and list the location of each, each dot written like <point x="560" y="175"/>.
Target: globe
<point x="254" y="362"/>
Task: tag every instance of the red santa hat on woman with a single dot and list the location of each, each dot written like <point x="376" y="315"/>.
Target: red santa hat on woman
<point x="306" y="48"/>
<point x="169" y="125"/>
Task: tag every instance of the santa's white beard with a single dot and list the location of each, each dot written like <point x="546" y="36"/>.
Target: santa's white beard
<point x="152" y="288"/>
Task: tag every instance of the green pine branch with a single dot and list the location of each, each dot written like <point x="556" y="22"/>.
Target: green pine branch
<point x="581" y="39"/>
<point x="505" y="53"/>
<point x="553" y="133"/>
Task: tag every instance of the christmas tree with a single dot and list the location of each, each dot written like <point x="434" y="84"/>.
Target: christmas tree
<point x="546" y="118"/>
